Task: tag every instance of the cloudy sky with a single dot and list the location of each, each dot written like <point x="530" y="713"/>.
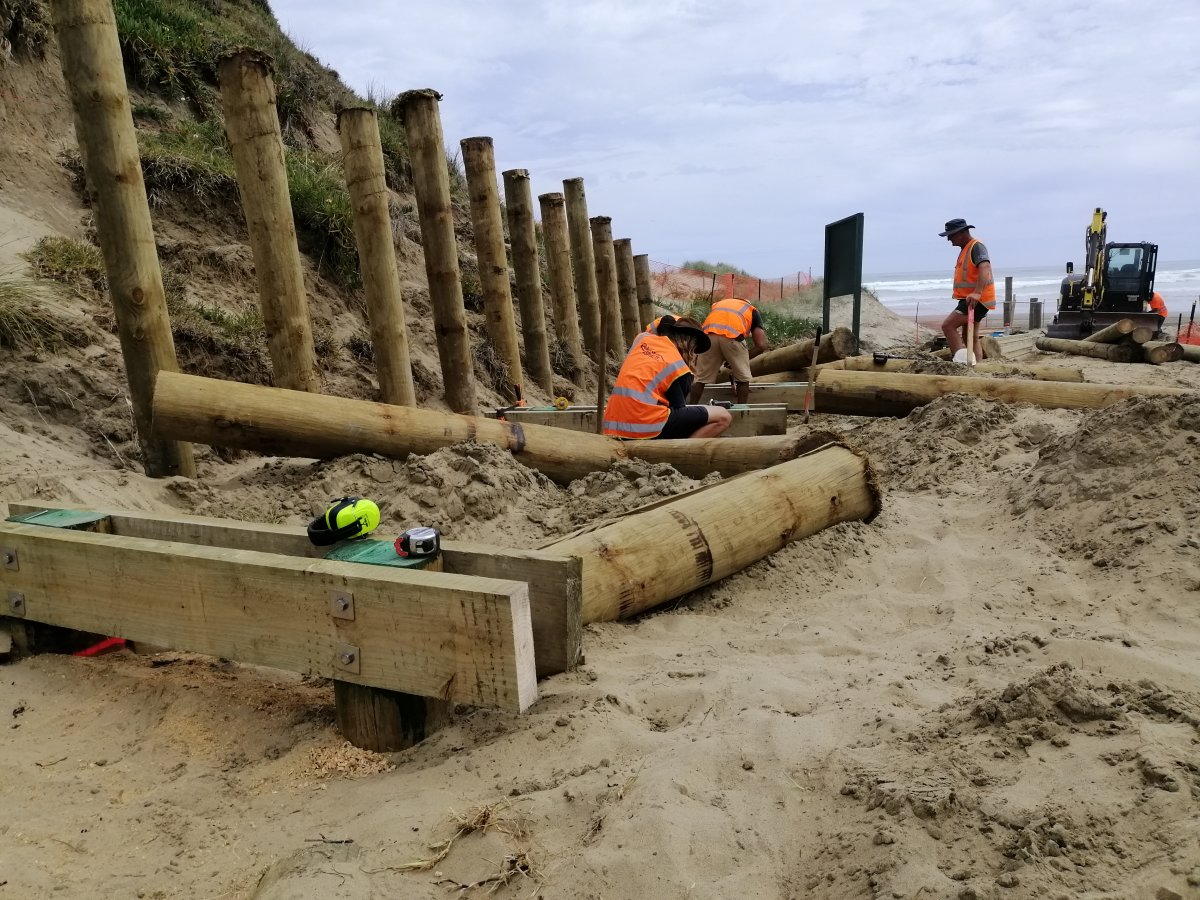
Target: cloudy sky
<point x="736" y="129"/>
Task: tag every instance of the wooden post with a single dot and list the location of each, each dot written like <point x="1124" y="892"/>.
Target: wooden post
<point x="1113" y="333"/>
<point x="713" y="532"/>
<point x="562" y="288"/>
<point x="518" y="201"/>
<point x="362" y="157"/>
<point x="230" y="414"/>
<point x="479" y="159"/>
<point x="386" y="721"/>
<point x="95" y="77"/>
<point x="645" y="296"/>
<point x="838" y="344"/>
<point x="1039" y="373"/>
<point x="252" y="122"/>
<point x="583" y="265"/>
<point x="1119" y="353"/>
<point x="1010" y="304"/>
<point x="418" y="112"/>
<point x="1159" y="352"/>
<point x="606" y="285"/>
<point x="627" y="289"/>
<point x="1035" y="313"/>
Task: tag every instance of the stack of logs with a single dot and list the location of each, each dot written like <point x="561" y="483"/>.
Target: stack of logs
<point x="1122" y="342"/>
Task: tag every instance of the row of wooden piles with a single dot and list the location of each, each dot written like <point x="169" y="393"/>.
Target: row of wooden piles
<point x="1123" y="342"/>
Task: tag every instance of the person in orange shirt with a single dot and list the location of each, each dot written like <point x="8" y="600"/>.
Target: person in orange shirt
<point x="728" y="325"/>
<point x="649" y="398"/>
<point x="1158" y="305"/>
<point x="973" y="285"/>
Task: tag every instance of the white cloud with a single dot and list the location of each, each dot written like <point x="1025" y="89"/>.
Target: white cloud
<point x="738" y="129"/>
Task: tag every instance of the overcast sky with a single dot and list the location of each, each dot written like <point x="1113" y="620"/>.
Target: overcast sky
<point x="736" y="129"/>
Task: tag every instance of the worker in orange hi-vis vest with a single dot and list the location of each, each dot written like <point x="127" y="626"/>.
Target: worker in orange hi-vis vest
<point x="727" y="326"/>
<point x="973" y="286"/>
<point x="1159" y="305"/>
<point x="649" y="398"/>
<point x="652" y="328"/>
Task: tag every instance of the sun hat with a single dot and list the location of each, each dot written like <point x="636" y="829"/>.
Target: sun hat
<point x="684" y="325"/>
<point x="954" y="226"/>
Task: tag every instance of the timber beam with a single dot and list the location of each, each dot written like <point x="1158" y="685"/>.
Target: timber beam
<point x="749" y="420"/>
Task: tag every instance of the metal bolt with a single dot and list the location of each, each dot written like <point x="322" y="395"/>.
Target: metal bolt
<point x="16" y="602"/>
<point x="343" y="604"/>
<point x="347" y="658"/>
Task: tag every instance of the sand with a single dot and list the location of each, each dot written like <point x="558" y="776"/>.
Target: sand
<point x="991" y="691"/>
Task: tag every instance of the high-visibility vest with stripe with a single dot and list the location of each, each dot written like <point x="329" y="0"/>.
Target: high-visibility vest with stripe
<point x="966" y="278"/>
<point x="652" y="328"/>
<point x="637" y="407"/>
<point x="1158" y="304"/>
<point x="730" y="318"/>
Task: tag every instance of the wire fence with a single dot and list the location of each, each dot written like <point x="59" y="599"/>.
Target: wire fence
<point x="683" y="285"/>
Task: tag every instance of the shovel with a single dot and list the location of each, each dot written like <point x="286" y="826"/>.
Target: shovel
<point x="812" y="376"/>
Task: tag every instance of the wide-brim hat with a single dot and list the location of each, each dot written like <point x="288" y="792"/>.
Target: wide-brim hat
<point x="954" y="226"/>
<point x="684" y="325"/>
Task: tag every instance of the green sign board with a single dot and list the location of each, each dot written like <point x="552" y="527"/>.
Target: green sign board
<point x="843" y="266"/>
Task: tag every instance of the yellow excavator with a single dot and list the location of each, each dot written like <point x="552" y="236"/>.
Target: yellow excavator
<point x="1117" y="283"/>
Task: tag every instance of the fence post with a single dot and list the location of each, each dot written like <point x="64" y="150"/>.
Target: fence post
<point x="583" y="265"/>
<point x="518" y="201"/>
<point x="645" y="298"/>
<point x="627" y="288"/>
<point x="95" y="76"/>
<point x="562" y="289"/>
<point x="1035" y="313"/>
<point x="606" y="285"/>
<point x="362" y="156"/>
<point x="418" y="112"/>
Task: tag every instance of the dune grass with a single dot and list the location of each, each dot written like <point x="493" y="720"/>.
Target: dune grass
<point x="28" y="322"/>
<point x="77" y="264"/>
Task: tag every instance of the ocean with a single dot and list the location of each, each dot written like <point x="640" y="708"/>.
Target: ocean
<point x="902" y="292"/>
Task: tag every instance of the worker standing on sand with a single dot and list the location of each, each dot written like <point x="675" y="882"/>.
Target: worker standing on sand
<point x="973" y="286"/>
<point x="728" y="325"/>
<point x="649" y="398"/>
<point x="1159" y="305"/>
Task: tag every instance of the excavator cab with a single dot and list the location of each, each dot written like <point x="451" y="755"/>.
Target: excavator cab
<point x="1117" y="283"/>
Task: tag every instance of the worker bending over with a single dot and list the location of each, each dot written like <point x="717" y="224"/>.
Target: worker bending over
<point x="974" y="286"/>
<point x="649" y="398"/>
<point x="728" y="325"/>
<point x="1159" y="305"/>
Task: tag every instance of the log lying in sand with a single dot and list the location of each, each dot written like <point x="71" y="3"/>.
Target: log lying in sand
<point x="1113" y="333"/>
<point x="295" y="423"/>
<point x="1159" y="352"/>
<point x="889" y="394"/>
<point x="714" y="532"/>
<point x="1191" y="353"/>
<point x="1040" y="373"/>
<point x="837" y="344"/>
<point x="1121" y="353"/>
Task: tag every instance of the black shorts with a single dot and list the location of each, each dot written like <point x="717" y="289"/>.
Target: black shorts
<point x="683" y="422"/>
<point x="980" y="309"/>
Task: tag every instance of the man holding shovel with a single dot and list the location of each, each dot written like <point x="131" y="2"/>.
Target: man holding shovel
<point x="974" y="289"/>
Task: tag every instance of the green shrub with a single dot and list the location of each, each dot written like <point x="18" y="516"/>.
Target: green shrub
<point x="719" y="268"/>
<point x="151" y="112"/>
<point x="193" y="159"/>
<point x="24" y="29"/>
<point x="321" y="207"/>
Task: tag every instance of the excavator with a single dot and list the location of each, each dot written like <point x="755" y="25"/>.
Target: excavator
<point x="1117" y="284"/>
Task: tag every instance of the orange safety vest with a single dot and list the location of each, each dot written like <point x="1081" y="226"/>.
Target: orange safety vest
<point x="1158" y="305"/>
<point x="638" y="405"/>
<point x="652" y="328"/>
<point x="966" y="278"/>
<point x="730" y="318"/>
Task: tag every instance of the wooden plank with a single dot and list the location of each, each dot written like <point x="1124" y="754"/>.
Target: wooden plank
<point x="554" y="580"/>
<point x="454" y="637"/>
<point x="790" y="395"/>
<point x="748" y="421"/>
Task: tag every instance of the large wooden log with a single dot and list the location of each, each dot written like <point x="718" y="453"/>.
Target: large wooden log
<point x="1159" y="352"/>
<point x="627" y="289"/>
<point x="583" y="265"/>
<point x="256" y="145"/>
<point x="645" y="297"/>
<point x="837" y="344"/>
<point x="273" y="420"/>
<point x="423" y="633"/>
<point x="714" y="532"/>
<point x="1191" y="353"/>
<point x="1113" y="334"/>
<point x="518" y="204"/>
<point x="562" y="287"/>
<point x="1120" y="353"/>
<point x="1040" y="373"/>
<point x="95" y="77"/>
<point x="891" y="394"/>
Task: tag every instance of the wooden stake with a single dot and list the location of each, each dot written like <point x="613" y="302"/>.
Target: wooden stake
<point x="518" y="202"/>
<point x="627" y="289"/>
<point x="562" y="289"/>
<point x="252" y="122"/>
<point x="1121" y="353"/>
<point x="95" y="77"/>
<point x="645" y="298"/>
<point x="583" y="265"/>
<point x="479" y="159"/>
<point x="606" y="285"/>
<point x="838" y="344"/>
<point x="229" y="414"/>
<point x="362" y="157"/>
<point x="707" y="535"/>
<point x="418" y="112"/>
<point x="602" y="376"/>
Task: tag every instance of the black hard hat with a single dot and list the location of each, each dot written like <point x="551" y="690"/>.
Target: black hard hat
<point x="954" y="226"/>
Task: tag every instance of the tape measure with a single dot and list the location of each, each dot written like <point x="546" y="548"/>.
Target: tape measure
<point x="419" y="542"/>
<point x="561" y="403"/>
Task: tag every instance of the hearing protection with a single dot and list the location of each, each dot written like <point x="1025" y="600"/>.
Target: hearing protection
<point x="346" y="518"/>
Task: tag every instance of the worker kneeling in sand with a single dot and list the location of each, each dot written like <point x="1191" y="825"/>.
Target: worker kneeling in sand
<point x="649" y="399"/>
<point x="728" y="325"/>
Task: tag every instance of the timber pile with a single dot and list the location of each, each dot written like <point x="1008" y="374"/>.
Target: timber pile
<point x="1129" y="350"/>
<point x="838" y="344"/>
<point x="1159" y="352"/>
<point x="714" y="532"/>
<point x="1038" y="373"/>
<point x="891" y="394"/>
<point x="1123" y="331"/>
<point x="296" y="423"/>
